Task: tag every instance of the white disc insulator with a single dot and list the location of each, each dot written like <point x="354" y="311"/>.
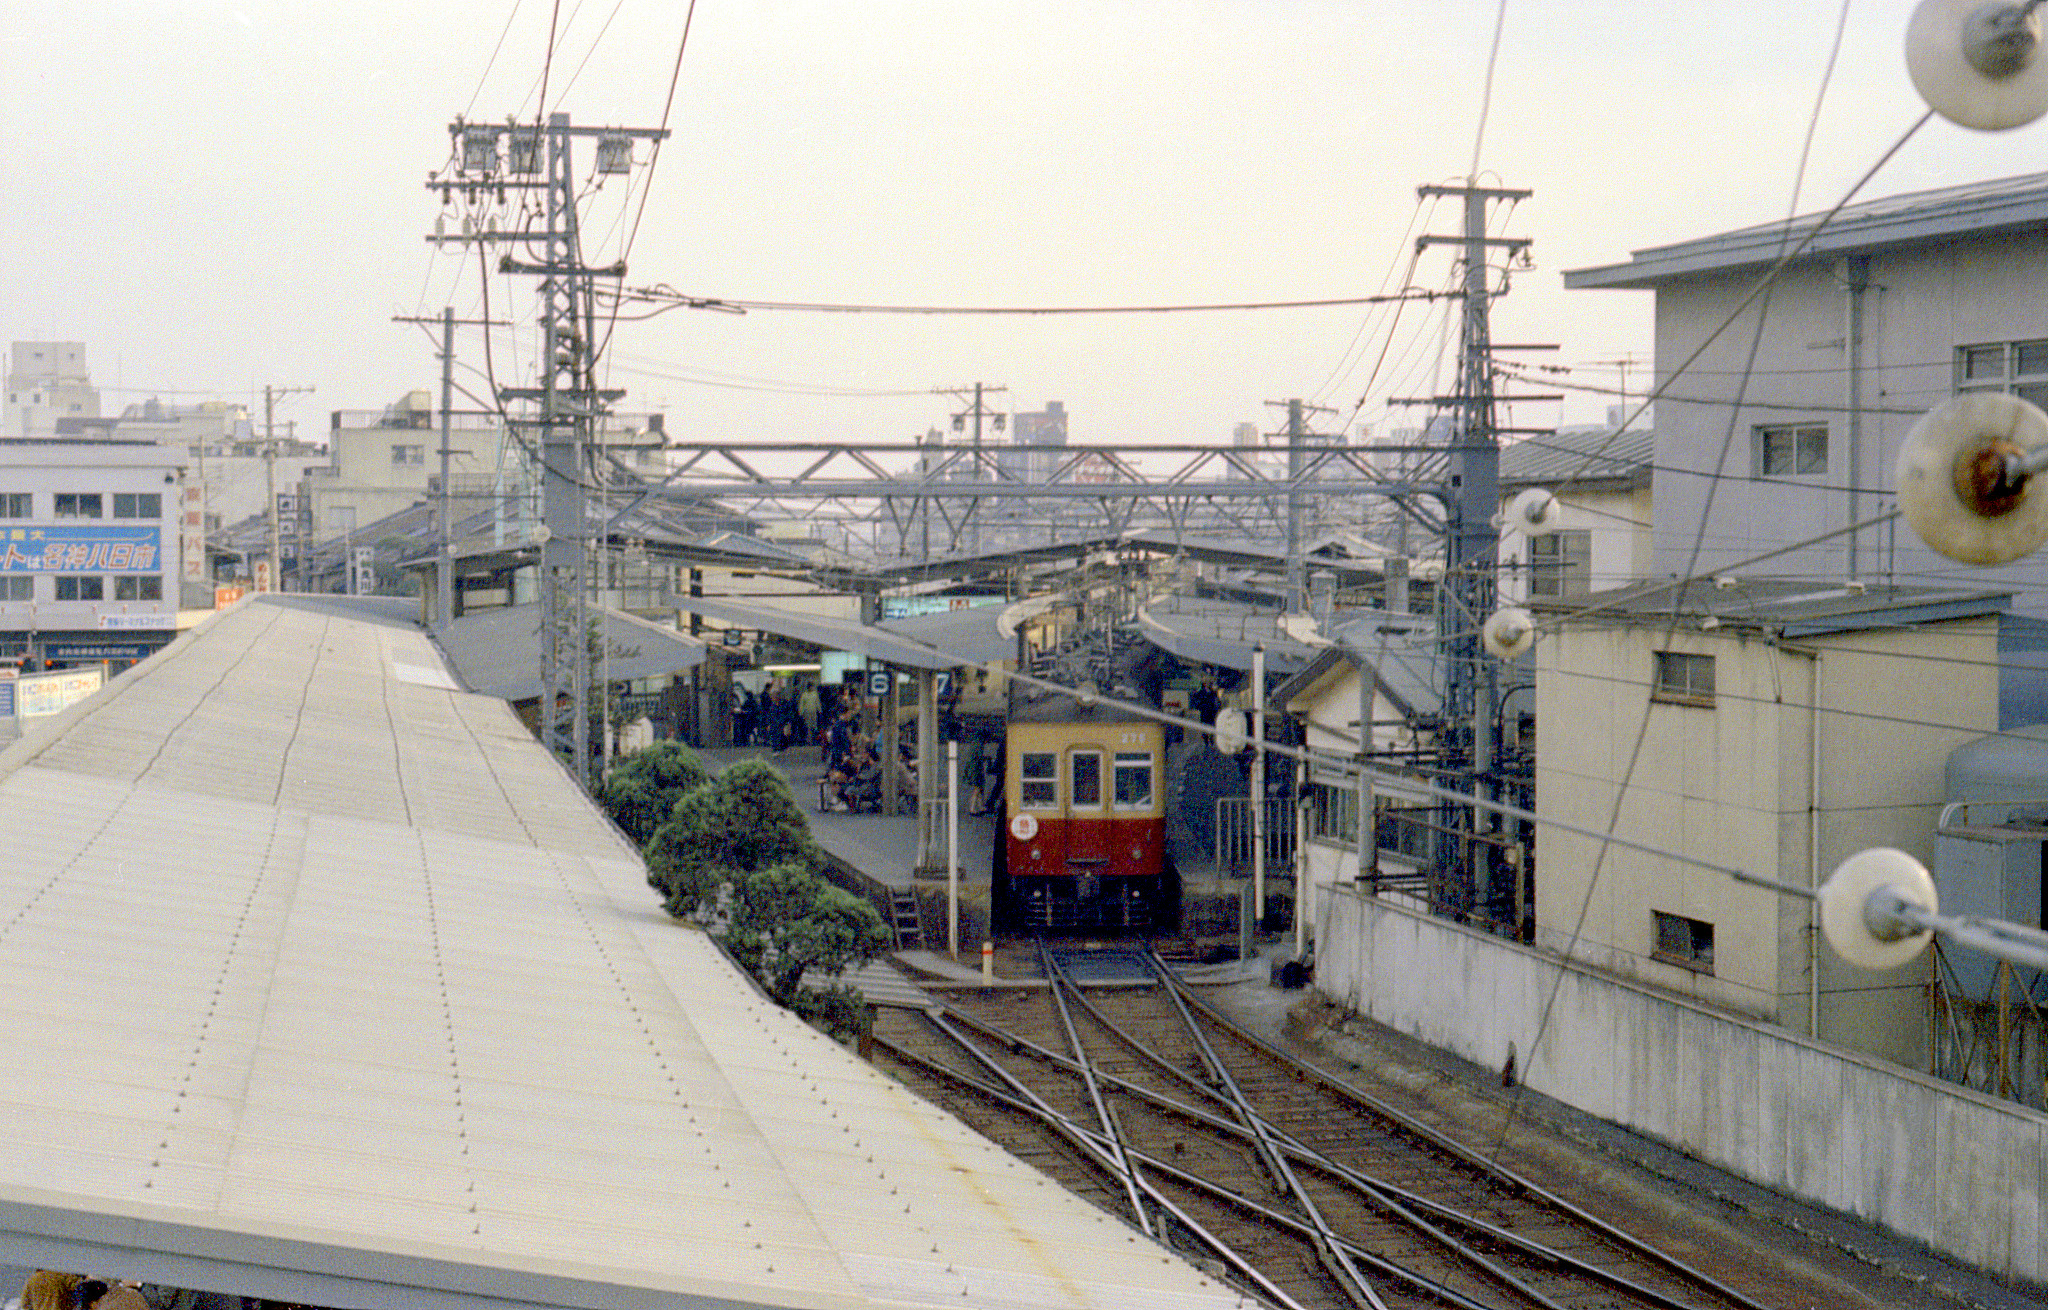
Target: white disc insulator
<point x="1229" y="731"/>
<point x="1940" y="40"/>
<point x="542" y="535"/>
<point x="1944" y="501"/>
<point x="1844" y="894"/>
<point x="1508" y="632"/>
<point x="1533" y="513"/>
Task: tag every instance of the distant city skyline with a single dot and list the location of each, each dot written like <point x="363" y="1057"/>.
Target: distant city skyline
<point x="218" y="199"/>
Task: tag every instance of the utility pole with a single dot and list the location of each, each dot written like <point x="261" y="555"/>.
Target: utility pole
<point x="539" y="158"/>
<point x="1298" y="437"/>
<point x="270" y="398"/>
<point x="1471" y="551"/>
<point x="977" y="412"/>
<point x="444" y="563"/>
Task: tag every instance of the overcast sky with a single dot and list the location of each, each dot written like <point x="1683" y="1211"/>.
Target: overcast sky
<point x="215" y="196"/>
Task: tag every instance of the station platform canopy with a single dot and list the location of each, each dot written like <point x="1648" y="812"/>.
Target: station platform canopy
<point x="324" y="984"/>
<point x="1206" y="630"/>
<point x="497" y="651"/>
<point x="945" y="640"/>
<point x="1326" y="554"/>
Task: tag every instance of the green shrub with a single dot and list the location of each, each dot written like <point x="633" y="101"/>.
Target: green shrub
<point x="641" y="791"/>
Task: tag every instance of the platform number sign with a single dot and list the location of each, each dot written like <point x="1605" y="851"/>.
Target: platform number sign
<point x="943" y="684"/>
<point x="878" y="682"/>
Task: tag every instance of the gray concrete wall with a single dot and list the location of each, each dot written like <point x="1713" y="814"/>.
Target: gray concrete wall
<point x="1960" y="1171"/>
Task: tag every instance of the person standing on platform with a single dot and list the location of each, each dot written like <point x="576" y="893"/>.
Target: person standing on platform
<point x="807" y="710"/>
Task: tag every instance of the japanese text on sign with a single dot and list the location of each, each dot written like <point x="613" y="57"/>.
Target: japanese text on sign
<point x="81" y="549"/>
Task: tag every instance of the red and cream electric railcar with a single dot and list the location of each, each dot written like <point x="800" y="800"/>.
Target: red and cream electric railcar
<point x="1083" y="843"/>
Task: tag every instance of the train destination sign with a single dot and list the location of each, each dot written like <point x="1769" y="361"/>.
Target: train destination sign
<point x="81" y="548"/>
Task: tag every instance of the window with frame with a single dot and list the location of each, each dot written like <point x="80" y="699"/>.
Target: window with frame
<point x="1561" y="563"/>
<point x="1084" y="785"/>
<point x="81" y="586"/>
<point x="17" y="586"/>
<point x="1333" y="812"/>
<point x="2020" y="367"/>
<point x="1133" y="780"/>
<point x="1683" y="679"/>
<point x="17" y="505"/>
<point x="78" y="505"/>
<point x="139" y="586"/>
<point x="1687" y="943"/>
<point x="138" y="505"/>
<point x="1790" y="450"/>
<point x="409" y="455"/>
<point x="1039" y="787"/>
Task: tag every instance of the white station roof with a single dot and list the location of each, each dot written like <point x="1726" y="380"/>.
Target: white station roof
<point x="322" y="982"/>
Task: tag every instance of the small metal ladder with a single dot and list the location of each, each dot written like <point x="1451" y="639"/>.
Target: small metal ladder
<point x="909" y="928"/>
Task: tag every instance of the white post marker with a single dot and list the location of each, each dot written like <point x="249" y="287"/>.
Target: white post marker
<point x="1258" y="787"/>
<point x="953" y="849"/>
<point x="988" y="964"/>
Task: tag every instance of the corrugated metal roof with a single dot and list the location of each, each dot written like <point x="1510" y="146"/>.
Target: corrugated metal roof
<point x="342" y="993"/>
<point x="968" y="636"/>
<point x="496" y="652"/>
<point x="1920" y="216"/>
<point x="1792" y="607"/>
<point x="1599" y="455"/>
<point x="831" y="634"/>
<point x="1220" y="632"/>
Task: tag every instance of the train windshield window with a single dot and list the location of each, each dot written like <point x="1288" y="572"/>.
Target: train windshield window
<point x="1041" y="781"/>
<point x="1134" y="778"/>
<point x="1087" y="788"/>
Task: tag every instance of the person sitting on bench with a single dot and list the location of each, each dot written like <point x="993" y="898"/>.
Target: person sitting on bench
<point x="857" y="783"/>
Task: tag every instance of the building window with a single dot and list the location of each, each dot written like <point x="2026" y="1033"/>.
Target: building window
<point x="17" y="505"/>
<point x="17" y="586"/>
<point x="1041" y="783"/>
<point x="1687" y="943"/>
<point x="1684" y="679"/>
<point x="1561" y="563"/>
<point x="145" y="586"/>
<point x="409" y="455"/>
<point x="138" y="505"/>
<point x="1789" y="450"/>
<point x="78" y="586"/>
<point x="1085" y="770"/>
<point x="1333" y="813"/>
<point x="2020" y="367"/>
<point x="78" y="504"/>
<point x="1133" y="780"/>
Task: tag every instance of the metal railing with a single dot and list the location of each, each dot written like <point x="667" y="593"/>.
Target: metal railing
<point x="1234" y="833"/>
<point x="1996" y="1044"/>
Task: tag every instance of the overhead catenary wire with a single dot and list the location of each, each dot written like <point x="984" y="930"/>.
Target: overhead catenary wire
<point x="1760" y="296"/>
<point x="677" y="300"/>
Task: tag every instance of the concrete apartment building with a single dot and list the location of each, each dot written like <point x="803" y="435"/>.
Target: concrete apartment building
<point x="1602" y="481"/>
<point x="1788" y="727"/>
<point x="89" y="550"/>
<point x="380" y="463"/>
<point x="47" y="382"/>
<point x="1896" y="306"/>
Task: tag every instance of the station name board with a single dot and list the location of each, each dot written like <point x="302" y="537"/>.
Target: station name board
<point x="81" y="548"/>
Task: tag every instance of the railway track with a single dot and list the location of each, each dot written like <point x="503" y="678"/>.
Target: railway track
<point x="1303" y="1193"/>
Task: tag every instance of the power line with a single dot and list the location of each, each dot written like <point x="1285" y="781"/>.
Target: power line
<point x="676" y="300"/>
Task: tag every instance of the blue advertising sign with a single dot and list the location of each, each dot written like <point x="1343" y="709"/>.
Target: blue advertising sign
<point x="7" y="698"/>
<point x="81" y="548"/>
<point x="100" y="650"/>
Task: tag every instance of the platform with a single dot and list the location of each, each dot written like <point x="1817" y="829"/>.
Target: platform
<point x="358" y="1001"/>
